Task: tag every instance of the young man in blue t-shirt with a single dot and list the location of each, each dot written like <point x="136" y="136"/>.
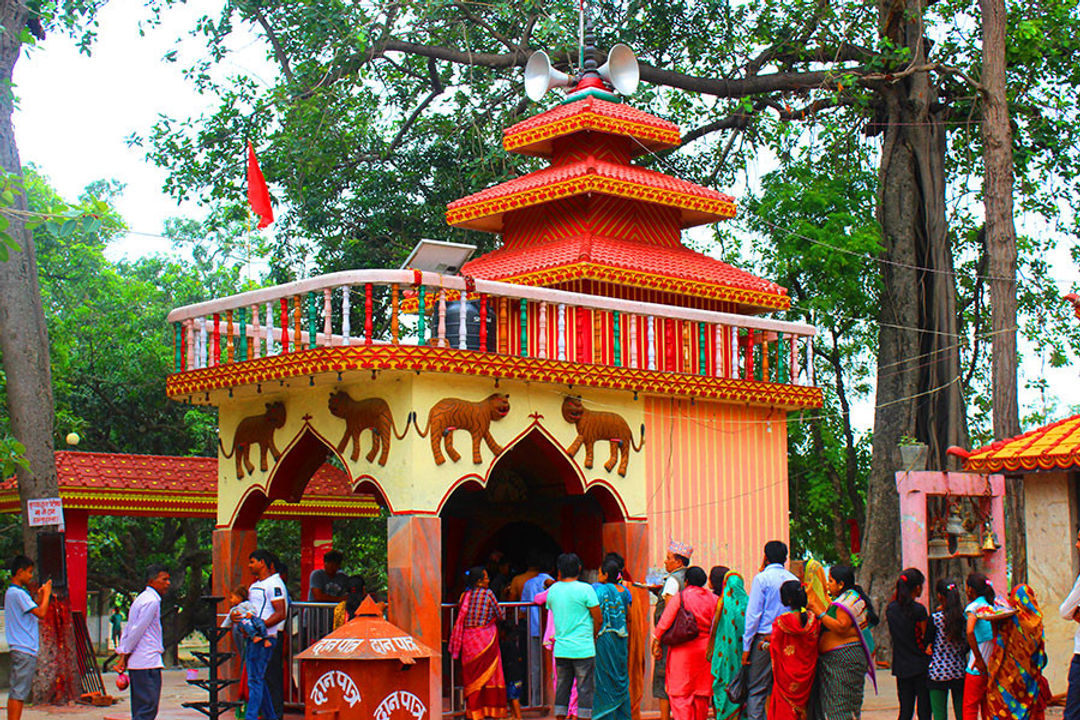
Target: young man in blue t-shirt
<point x="576" y="611"/>
<point x="21" y="614"/>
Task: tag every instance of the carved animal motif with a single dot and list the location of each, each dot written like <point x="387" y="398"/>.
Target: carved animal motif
<point x="256" y="430"/>
<point x="450" y="414"/>
<point x="360" y="415"/>
<point x="593" y="426"/>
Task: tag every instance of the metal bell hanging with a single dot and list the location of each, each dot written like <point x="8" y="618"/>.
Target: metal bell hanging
<point x="938" y="549"/>
<point x="967" y="545"/>
<point x="954" y="525"/>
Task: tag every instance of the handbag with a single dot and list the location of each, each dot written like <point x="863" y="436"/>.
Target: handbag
<point x="683" y="628"/>
<point x="737" y="688"/>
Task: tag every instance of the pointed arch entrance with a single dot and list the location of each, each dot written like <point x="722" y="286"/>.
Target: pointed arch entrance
<point x="534" y="502"/>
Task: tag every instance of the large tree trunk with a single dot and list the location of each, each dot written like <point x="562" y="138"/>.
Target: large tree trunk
<point x="1001" y="265"/>
<point x="23" y="338"/>
<point x="918" y="381"/>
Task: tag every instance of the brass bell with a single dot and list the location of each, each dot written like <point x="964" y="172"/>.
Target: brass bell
<point x="990" y="542"/>
<point x="954" y="525"/>
<point x="938" y="549"/>
<point x="967" y="545"/>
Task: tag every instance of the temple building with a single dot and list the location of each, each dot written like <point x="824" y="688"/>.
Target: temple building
<point x="592" y="385"/>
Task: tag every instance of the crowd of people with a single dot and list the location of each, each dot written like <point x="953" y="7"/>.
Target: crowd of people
<point x="782" y="648"/>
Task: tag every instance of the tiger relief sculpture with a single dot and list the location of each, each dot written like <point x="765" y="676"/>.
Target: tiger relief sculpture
<point x="450" y="414"/>
<point x="256" y="430"/>
<point x="360" y="415"/>
<point x="593" y="426"/>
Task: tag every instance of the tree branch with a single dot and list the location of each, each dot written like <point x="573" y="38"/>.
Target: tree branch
<point x="279" y="52"/>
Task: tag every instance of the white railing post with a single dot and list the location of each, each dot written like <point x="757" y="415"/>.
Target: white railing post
<point x="346" y="321"/>
<point x="650" y="340"/>
<point x="562" y="331"/>
<point x="542" y="344"/>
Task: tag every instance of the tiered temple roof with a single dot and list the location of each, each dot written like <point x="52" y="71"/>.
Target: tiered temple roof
<point x="594" y="222"/>
<point x="1052" y="447"/>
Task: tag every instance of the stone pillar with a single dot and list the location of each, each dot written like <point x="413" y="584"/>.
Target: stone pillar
<point x="631" y="540"/>
<point x="316" y="539"/>
<point x="414" y="579"/>
<point x="230" y="559"/>
<point x="75" y="530"/>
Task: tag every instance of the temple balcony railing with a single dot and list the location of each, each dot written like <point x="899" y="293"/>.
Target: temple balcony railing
<point x="412" y="315"/>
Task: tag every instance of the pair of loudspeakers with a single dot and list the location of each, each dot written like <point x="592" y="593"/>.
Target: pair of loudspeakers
<point x="620" y="71"/>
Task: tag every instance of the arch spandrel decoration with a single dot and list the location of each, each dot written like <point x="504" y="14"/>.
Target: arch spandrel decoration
<point x="411" y="439"/>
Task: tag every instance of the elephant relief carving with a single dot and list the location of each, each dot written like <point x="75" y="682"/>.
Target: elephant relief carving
<point x="593" y="427"/>
<point x="256" y="430"/>
<point x="360" y="415"/>
<point x="450" y="414"/>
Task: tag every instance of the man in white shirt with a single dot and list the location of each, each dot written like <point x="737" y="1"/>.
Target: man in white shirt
<point x="268" y="595"/>
<point x="1068" y="609"/>
<point x="141" y="646"/>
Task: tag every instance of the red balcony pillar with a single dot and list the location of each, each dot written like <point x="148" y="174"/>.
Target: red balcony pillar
<point x="76" y="524"/>
<point x="316" y="539"/>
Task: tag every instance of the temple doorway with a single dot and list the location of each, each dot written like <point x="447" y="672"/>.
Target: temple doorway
<point x="534" y="502"/>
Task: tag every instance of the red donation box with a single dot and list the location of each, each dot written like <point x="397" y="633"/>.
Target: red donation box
<point x="367" y="669"/>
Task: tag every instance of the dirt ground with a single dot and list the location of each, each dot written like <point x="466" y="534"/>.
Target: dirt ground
<point x="176" y="691"/>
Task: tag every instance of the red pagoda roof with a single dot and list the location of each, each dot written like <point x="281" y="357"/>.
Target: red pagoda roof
<point x="1052" y="447"/>
<point x="484" y="210"/>
<point x="672" y="269"/>
<point x="534" y="135"/>
<point x="160" y="485"/>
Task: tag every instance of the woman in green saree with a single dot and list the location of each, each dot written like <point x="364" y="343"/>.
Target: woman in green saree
<point x="725" y="642"/>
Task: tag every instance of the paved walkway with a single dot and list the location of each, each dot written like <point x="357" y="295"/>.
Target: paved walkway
<point x="176" y="691"/>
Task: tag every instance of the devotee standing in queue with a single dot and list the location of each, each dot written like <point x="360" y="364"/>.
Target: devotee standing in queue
<point x="980" y="635"/>
<point x="475" y="639"/>
<point x="689" y="683"/>
<point x="725" y="641"/>
<point x="675" y="563"/>
<point x="948" y="653"/>
<point x="1017" y="689"/>
<point x="268" y="594"/>
<point x="22" y="611"/>
<point x="908" y="621"/>
<point x="1068" y="610"/>
<point x="141" y="645"/>
<point x="612" y="696"/>
<point x="577" y="617"/>
<point x="535" y="649"/>
<point x="762" y="607"/>
<point x="793" y="646"/>
<point x="328" y="583"/>
<point x="846" y="647"/>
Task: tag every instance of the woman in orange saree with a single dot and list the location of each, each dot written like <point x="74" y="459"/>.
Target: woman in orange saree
<point x="794" y="650"/>
<point x="475" y="639"/>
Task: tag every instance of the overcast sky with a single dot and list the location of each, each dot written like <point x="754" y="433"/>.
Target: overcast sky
<point x="75" y="113"/>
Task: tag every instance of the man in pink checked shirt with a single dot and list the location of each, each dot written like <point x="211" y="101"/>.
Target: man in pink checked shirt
<point x="141" y="646"/>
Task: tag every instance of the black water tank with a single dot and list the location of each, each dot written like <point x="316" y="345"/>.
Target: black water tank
<point x="472" y="325"/>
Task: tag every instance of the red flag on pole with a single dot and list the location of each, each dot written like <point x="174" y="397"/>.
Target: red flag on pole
<point x="258" y="193"/>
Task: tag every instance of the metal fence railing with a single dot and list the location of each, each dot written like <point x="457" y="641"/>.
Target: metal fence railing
<point x="307" y="623"/>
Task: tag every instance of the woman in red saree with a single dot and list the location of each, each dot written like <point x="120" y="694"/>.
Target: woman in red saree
<point x="689" y="678"/>
<point x="794" y="650"/>
<point x="475" y="640"/>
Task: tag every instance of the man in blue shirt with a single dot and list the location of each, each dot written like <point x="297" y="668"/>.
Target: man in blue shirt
<point x="762" y="608"/>
<point x="21" y="614"/>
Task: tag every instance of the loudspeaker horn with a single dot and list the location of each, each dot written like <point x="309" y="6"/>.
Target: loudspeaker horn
<point x="621" y="70"/>
<point x="541" y="77"/>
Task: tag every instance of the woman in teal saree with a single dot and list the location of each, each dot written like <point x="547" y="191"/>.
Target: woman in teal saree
<point x="725" y="642"/>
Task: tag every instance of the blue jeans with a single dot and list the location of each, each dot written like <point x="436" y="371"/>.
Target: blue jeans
<point x="145" y="693"/>
<point x="1072" y="700"/>
<point x="259" y="703"/>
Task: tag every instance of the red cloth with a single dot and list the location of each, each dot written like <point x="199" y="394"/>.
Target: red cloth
<point x="258" y="193"/>
<point x="975" y="697"/>
<point x="794" y="651"/>
<point x="688" y="669"/>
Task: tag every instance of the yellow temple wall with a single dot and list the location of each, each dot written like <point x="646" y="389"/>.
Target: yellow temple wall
<point x="411" y="481"/>
<point x="1049" y="521"/>
<point x="717" y="478"/>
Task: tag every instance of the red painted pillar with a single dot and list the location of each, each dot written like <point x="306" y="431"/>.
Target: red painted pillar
<point x="230" y="568"/>
<point x="75" y="530"/>
<point x="316" y="539"/>
<point x="414" y="579"/>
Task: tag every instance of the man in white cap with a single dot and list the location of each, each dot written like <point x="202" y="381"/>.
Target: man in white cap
<point x="675" y="563"/>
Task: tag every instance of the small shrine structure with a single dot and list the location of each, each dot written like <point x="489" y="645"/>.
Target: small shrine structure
<point x="1047" y="461"/>
<point x="128" y="485"/>
<point x="592" y="385"/>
